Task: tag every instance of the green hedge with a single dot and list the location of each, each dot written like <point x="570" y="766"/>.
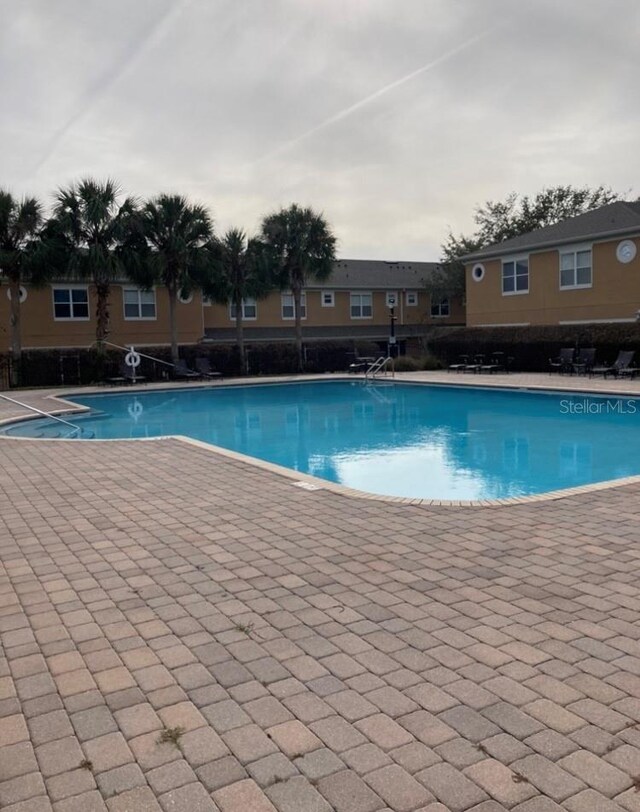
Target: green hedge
<point x="532" y="347"/>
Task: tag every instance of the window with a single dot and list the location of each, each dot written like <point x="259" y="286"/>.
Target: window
<point x="391" y="299"/>
<point x="139" y="304"/>
<point x="439" y="308"/>
<point x="515" y="276"/>
<point x="361" y="306"/>
<point x="289" y="308"/>
<point x="328" y="298"/>
<point x="575" y="268"/>
<point x="412" y="298"/>
<point x="71" y="303"/>
<point x="249" y="310"/>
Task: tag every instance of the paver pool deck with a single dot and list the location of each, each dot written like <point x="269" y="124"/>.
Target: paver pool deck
<point x="307" y="651"/>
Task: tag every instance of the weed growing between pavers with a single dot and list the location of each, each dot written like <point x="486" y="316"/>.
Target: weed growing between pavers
<point x="171" y="735"/>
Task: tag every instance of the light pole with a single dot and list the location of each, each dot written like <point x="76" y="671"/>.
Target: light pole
<point x="391" y="304"/>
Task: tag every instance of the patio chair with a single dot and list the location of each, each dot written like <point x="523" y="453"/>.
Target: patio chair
<point x="496" y="364"/>
<point x="463" y="361"/>
<point x="620" y="367"/>
<point x="477" y="364"/>
<point x="564" y="362"/>
<point x="126" y="375"/>
<point x="182" y="371"/>
<point x="585" y="361"/>
<point x="203" y="366"/>
<point x="360" y="364"/>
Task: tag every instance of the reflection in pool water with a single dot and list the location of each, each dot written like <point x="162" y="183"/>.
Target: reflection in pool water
<point x="432" y="442"/>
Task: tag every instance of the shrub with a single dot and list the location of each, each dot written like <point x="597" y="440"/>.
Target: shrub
<point x="531" y="347"/>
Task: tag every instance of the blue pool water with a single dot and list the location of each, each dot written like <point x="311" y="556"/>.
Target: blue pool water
<point x="401" y="439"/>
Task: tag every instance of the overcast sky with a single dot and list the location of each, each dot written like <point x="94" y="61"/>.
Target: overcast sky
<point x="393" y="117"/>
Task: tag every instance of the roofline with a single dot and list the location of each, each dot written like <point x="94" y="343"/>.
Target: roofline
<point x="539" y="246"/>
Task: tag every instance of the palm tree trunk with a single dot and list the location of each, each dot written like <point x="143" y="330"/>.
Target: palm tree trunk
<point x="16" y="338"/>
<point x="103" y="289"/>
<point x="240" y="337"/>
<point x="297" y="297"/>
<point x="175" y="357"/>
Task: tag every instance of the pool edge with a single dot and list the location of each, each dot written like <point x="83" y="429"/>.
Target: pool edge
<point x="70" y="407"/>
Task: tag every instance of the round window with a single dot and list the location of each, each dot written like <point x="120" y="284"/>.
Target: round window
<point x="626" y="251"/>
<point x="185" y="299"/>
<point x="477" y="273"/>
<point x="23" y="294"/>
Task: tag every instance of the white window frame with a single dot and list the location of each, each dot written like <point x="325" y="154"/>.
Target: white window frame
<point x="387" y="298"/>
<point x="84" y="288"/>
<point x="332" y="298"/>
<point x="575" y="250"/>
<point x="360" y="305"/>
<point x="444" y="301"/>
<point x="139" y="291"/>
<point x="292" y="305"/>
<point x="411" y="298"/>
<point x="515" y="260"/>
<point x="246" y="303"/>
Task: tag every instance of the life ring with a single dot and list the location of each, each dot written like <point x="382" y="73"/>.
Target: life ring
<point x="132" y="359"/>
<point x="135" y="409"/>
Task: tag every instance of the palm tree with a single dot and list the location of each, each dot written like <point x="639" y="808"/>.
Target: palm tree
<point x="20" y="227"/>
<point x="178" y="235"/>
<point x="300" y="247"/>
<point x="98" y="231"/>
<point x="238" y="274"/>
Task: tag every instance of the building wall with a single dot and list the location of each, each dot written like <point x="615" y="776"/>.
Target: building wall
<point x="41" y="330"/>
<point x="269" y="311"/>
<point x="614" y="294"/>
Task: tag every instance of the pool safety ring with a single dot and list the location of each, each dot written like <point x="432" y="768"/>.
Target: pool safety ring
<point x="132" y="359"/>
<point x="135" y="409"/>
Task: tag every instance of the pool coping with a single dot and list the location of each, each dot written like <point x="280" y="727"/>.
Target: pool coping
<point x="313" y="483"/>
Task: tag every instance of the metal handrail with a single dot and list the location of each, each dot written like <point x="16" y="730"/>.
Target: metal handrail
<point x="377" y="366"/>
<point x="142" y="354"/>
<point x="39" y="411"/>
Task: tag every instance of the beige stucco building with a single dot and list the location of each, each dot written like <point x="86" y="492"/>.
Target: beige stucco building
<point x="352" y="304"/>
<point x="584" y="270"/>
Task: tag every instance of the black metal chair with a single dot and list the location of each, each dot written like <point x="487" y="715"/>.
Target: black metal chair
<point x="563" y="364"/>
<point x="621" y="366"/>
<point x="585" y="361"/>
<point x="203" y="366"/>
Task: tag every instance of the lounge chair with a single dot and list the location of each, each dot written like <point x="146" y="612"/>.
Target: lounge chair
<point x="127" y="375"/>
<point x="620" y="367"/>
<point x="360" y="364"/>
<point x="182" y="371"/>
<point x="564" y="362"/>
<point x="476" y="366"/>
<point x="203" y="366"/>
<point x="496" y="364"/>
<point x="460" y="366"/>
<point x="585" y="361"/>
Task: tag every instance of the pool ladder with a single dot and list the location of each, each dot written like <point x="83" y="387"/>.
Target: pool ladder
<point x="378" y="367"/>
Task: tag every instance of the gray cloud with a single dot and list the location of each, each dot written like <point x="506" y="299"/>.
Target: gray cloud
<point x="247" y="105"/>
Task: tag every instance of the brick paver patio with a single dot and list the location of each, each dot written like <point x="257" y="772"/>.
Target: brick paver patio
<point x="183" y="631"/>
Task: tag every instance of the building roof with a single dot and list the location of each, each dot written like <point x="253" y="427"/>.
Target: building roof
<point x="614" y="219"/>
<point x="376" y="274"/>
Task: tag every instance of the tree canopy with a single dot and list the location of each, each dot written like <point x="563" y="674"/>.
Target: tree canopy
<point x="501" y="220"/>
<point x="299" y="247"/>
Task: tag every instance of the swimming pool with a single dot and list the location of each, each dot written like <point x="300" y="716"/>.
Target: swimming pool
<point x="397" y="439"/>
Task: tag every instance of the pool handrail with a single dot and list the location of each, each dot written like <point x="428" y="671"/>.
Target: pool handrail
<point x="41" y="412"/>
